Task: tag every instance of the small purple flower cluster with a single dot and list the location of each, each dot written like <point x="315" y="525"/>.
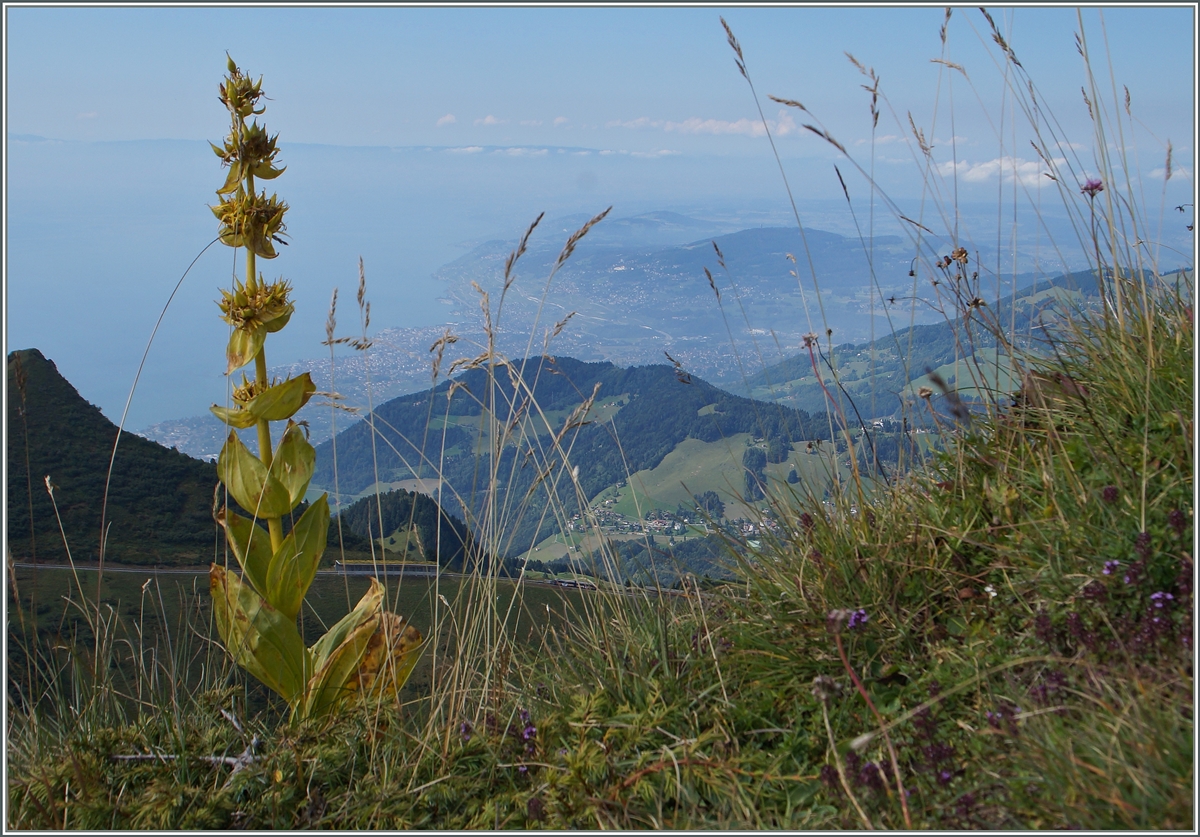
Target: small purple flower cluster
<point x="465" y="729"/>
<point x="535" y="809"/>
<point x="857" y="619"/>
<point x="1133" y="575"/>
<point x="1183" y="583"/>
<point x="1043" y="628"/>
<point x="1111" y="567"/>
<point x="1077" y="630"/>
<point x="1110" y="494"/>
<point x="1044" y="691"/>
<point x="1178" y="521"/>
<point x="528" y="732"/>
<point x="1091" y="187"/>
<point x="1005" y="719"/>
<point x="868" y="775"/>
<point x="1161" y="599"/>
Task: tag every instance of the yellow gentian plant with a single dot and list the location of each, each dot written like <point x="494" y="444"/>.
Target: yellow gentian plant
<point x="371" y="650"/>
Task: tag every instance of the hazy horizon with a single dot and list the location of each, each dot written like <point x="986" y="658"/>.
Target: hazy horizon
<point x="487" y="117"/>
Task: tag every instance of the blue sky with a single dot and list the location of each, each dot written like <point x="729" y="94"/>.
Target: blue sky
<point x="645" y="104"/>
<point x="638" y="78"/>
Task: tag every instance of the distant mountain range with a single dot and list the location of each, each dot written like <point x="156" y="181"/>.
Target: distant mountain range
<point x="636" y="291"/>
<point x="526" y="446"/>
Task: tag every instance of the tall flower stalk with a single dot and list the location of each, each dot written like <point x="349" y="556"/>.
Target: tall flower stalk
<point x="370" y="650"/>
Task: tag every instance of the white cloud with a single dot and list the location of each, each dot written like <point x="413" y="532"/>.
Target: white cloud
<point x="560" y="120"/>
<point x="1176" y="171"/>
<point x="1027" y="172"/>
<point x="523" y="152"/>
<point x="489" y="120"/>
<point x="470" y="149"/>
<point x="91" y="114"/>
<point x="641" y="122"/>
<point x="886" y="139"/>
<point x="448" y="119"/>
<point x="662" y="152"/>
<point x="531" y="123"/>
<point x="784" y="126"/>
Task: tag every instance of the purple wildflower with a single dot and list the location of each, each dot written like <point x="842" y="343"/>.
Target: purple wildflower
<point x="965" y="805"/>
<point x="1184" y="579"/>
<point x="529" y="732"/>
<point x="1110" y="494"/>
<point x="1178" y="521"/>
<point x="1091" y="187"/>
<point x="465" y="729"/>
<point x="1043" y="627"/>
<point x="944" y="777"/>
<point x="1110" y="567"/>
<point x="522" y="770"/>
<point x="1160" y="599"/>
<point x="869" y="777"/>
<point x="857" y="619"/>
<point x="534" y="808"/>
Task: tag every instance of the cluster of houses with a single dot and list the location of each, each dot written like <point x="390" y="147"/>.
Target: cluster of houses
<point x="613" y="522"/>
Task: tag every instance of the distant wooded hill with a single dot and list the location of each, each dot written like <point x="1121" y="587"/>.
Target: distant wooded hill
<point x="416" y="527"/>
<point x="640" y="415"/>
<point x="159" y="501"/>
<point x="876" y="378"/>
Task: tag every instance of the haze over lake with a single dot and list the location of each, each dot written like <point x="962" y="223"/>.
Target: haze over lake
<point x="418" y="154"/>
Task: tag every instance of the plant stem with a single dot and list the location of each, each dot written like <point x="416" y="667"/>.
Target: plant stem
<point x="841" y="772"/>
<point x="883" y="728"/>
<point x="274" y="526"/>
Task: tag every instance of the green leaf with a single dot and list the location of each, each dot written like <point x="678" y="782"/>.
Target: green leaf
<point x="337" y="655"/>
<point x="294" y="565"/>
<point x="244" y="345"/>
<point x="265" y="171"/>
<point x="247" y="479"/>
<point x="279" y="322"/>
<point x="232" y="180"/>
<point x="369" y="604"/>
<point x="294" y="462"/>
<point x="283" y="400"/>
<point x="259" y="637"/>
<point x="237" y="417"/>
<point x="277" y="403"/>
<point x="251" y="546"/>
